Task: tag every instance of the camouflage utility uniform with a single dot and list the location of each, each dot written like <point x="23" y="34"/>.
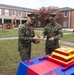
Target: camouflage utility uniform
<point x="26" y="32"/>
<point x="55" y="31"/>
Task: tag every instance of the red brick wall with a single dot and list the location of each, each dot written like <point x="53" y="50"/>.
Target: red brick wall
<point x="63" y="18"/>
<point x="24" y="14"/>
<point x="72" y="19"/>
<point x="10" y="12"/>
<point x="60" y="20"/>
<point x="3" y="11"/>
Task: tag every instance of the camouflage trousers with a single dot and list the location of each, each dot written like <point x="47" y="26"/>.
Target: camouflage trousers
<point x="50" y="47"/>
<point x="25" y="53"/>
<point x="49" y="50"/>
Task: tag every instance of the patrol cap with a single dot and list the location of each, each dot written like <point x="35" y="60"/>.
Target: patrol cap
<point x="53" y="14"/>
<point x="32" y="17"/>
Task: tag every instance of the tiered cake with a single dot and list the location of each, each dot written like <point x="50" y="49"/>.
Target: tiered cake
<point x="62" y="56"/>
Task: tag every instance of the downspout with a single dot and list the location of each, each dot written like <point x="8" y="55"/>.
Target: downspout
<point x="69" y="21"/>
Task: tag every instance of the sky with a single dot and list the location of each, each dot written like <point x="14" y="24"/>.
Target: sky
<point x="36" y="4"/>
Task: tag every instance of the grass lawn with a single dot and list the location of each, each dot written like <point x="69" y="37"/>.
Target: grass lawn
<point x="14" y="33"/>
<point x="9" y="54"/>
<point x="10" y="58"/>
<point x="68" y="37"/>
<point x="8" y="33"/>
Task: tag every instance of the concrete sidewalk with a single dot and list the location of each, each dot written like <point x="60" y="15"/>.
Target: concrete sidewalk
<point x="60" y="41"/>
<point x="66" y="43"/>
<point x="9" y="38"/>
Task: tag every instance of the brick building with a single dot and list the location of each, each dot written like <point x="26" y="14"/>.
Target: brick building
<point x="67" y="21"/>
<point x="8" y="13"/>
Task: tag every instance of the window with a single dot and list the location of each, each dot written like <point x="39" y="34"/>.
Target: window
<point x="65" y="14"/>
<point x="13" y="12"/>
<point x="0" y="11"/>
<point x="19" y="13"/>
<point x="6" y="12"/>
<point x="65" y="23"/>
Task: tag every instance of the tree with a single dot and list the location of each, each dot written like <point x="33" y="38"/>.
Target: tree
<point x="43" y="13"/>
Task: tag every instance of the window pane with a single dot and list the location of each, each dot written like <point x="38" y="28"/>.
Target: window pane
<point x="19" y="13"/>
<point x="13" y="12"/>
<point x="7" y="12"/>
<point x="65" y="24"/>
<point x="65" y="13"/>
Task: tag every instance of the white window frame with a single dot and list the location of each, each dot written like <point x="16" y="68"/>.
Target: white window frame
<point x="20" y="13"/>
<point x="0" y="12"/>
<point x="13" y="12"/>
<point x="6" y="12"/>
<point x="65" y="23"/>
<point x="65" y="13"/>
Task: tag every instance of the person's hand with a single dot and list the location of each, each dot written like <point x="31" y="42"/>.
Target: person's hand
<point x="36" y="38"/>
<point x="37" y="41"/>
<point x="52" y="38"/>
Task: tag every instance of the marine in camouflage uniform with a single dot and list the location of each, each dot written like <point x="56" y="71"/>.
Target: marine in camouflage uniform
<point x="52" y="32"/>
<point x="26" y="34"/>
